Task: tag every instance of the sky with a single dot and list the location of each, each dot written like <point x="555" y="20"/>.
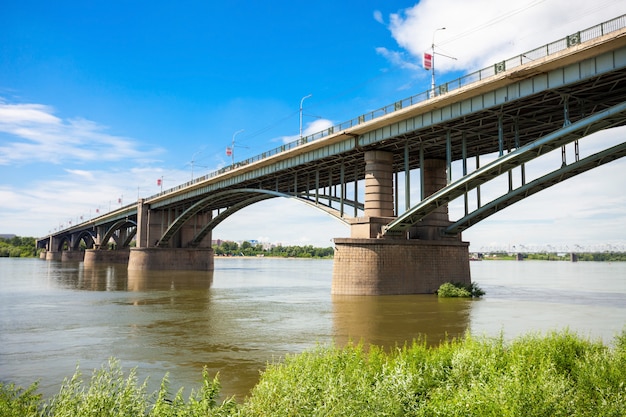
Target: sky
<point x="99" y="99"/>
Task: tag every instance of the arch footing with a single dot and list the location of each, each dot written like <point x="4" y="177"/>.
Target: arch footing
<point x="386" y="267"/>
<point x="100" y="257"/>
<point x="180" y="259"/>
<point x="72" y="255"/>
<point x="53" y="256"/>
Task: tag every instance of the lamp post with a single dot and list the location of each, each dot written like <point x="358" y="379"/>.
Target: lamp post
<point x="432" y="67"/>
<point x="192" y="161"/>
<point x="232" y="146"/>
<point x="302" y="101"/>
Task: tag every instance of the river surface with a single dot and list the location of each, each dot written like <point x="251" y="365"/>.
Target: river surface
<point x="252" y="311"/>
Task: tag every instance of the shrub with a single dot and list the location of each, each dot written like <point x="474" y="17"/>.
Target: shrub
<point x="458" y="289"/>
<point x="18" y="402"/>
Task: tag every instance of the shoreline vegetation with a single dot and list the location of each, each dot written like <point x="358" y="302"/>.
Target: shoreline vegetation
<point x="556" y="374"/>
<point x="24" y="247"/>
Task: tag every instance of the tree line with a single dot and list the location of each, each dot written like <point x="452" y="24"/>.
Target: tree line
<point x="247" y="249"/>
<point x="25" y="247"/>
<point x="18" y="247"/>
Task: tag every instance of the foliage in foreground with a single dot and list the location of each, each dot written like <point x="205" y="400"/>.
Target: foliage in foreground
<point x="457" y="289"/>
<point x="558" y="374"/>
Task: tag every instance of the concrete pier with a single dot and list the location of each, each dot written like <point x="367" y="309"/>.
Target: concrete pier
<point x="104" y="257"/>
<point x="53" y="256"/>
<point x="416" y="262"/>
<point x="191" y="259"/>
<point x="386" y="267"/>
<point x="72" y="256"/>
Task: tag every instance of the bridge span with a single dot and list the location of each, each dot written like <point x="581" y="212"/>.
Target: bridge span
<point x="518" y="109"/>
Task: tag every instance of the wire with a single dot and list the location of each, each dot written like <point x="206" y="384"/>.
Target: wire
<point x="492" y="22"/>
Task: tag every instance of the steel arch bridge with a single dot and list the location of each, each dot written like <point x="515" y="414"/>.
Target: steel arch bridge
<point x="520" y="109"/>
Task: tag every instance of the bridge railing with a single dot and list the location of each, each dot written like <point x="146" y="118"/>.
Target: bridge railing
<point x="499" y="67"/>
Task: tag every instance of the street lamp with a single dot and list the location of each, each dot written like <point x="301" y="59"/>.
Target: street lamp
<point x="302" y="101"/>
<point x="192" y="161"/>
<point x="232" y="146"/>
<point x="432" y="66"/>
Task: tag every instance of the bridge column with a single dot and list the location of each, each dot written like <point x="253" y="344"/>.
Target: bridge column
<point x="417" y="262"/>
<point x="53" y="253"/>
<point x="378" y="206"/>
<point x="435" y="178"/>
<point x="151" y="224"/>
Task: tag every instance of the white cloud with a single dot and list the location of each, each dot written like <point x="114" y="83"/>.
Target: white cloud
<point x="312" y="128"/>
<point x="378" y="16"/>
<point x="481" y="32"/>
<point x="35" y="134"/>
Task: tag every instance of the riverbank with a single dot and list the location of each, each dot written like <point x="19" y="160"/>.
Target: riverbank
<point x="582" y="256"/>
<point x="557" y="374"/>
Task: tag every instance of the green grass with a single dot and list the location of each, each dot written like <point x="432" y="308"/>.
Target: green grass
<point x="557" y="374"/>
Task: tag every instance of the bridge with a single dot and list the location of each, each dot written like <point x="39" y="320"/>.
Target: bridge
<point x="519" y="110"/>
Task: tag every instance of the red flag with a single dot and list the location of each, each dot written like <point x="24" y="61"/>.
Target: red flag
<point x="229" y="151"/>
<point x="428" y="61"/>
<point x="159" y="181"/>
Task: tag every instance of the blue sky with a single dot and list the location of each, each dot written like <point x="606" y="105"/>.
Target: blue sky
<point x="99" y="99"/>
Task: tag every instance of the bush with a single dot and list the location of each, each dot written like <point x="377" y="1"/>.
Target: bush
<point x="458" y="289"/>
<point x="18" y="402"/>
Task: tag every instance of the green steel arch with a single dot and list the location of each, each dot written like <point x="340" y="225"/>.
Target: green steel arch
<point x="117" y="226"/>
<point x="613" y="116"/>
<point x="258" y="195"/>
<point x="87" y="237"/>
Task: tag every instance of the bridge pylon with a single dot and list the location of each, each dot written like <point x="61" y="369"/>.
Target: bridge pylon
<point x="414" y="262"/>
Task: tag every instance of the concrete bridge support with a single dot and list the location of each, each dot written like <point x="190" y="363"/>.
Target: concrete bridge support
<point x="72" y="256"/>
<point x="151" y="225"/>
<point x="53" y="255"/>
<point x="105" y="257"/>
<point x="418" y="263"/>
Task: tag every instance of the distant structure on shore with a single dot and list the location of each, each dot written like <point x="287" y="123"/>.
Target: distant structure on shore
<point x="7" y="236"/>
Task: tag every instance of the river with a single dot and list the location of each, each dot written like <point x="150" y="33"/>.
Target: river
<point x="250" y="311"/>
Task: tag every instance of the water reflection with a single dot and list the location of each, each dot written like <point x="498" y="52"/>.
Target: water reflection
<point x="169" y="280"/>
<point x="116" y="277"/>
<point x="395" y="320"/>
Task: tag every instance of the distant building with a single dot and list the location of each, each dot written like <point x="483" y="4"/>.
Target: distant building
<point x="7" y="236"/>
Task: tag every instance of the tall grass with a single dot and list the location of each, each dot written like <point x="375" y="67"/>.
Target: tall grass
<point x="557" y="374"/>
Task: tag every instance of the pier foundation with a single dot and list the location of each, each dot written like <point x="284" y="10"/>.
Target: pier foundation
<point x="417" y="261"/>
<point x="105" y="257"/>
<point x="182" y="259"/>
<point x="386" y="267"/>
